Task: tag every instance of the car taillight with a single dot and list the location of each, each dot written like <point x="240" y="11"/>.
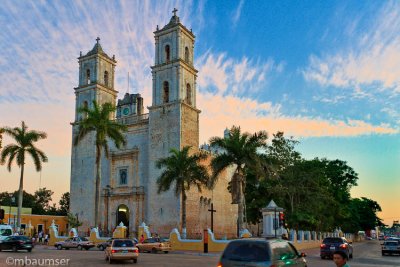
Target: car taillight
<point x="219" y="264"/>
<point x="343" y="246"/>
<point x="323" y="246"/>
<point x="113" y="251"/>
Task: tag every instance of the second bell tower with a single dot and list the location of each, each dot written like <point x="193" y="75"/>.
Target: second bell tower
<point x="173" y="116"/>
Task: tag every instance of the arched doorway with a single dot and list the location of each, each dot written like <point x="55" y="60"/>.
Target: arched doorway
<point x="123" y="215"/>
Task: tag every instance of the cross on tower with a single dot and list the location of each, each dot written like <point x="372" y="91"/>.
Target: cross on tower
<point x="174" y="11"/>
<point x="212" y="210"/>
<point x="97" y="39"/>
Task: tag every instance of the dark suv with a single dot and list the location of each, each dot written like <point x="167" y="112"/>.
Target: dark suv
<point x="331" y="244"/>
<point x="391" y="246"/>
<point x="261" y="252"/>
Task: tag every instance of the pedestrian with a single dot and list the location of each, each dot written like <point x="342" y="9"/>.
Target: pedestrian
<point x="40" y="236"/>
<point x="46" y="239"/>
<point x="340" y="258"/>
<point x="141" y="241"/>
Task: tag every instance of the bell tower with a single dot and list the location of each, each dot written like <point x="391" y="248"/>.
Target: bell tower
<point x="96" y="83"/>
<point x="173" y="116"/>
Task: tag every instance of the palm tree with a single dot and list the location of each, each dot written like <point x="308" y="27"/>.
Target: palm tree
<point x="184" y="171"/>
<point x="241" y="151"/>
<point x="98" y="120"/>
<point x="24" y="144"/>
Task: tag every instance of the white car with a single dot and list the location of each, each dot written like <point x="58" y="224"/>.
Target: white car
<point x="5" y="230"/>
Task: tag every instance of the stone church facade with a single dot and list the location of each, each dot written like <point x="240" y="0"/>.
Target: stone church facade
<point x="128" y="183"/>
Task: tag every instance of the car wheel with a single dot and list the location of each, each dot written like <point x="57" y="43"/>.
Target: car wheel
<point x="14" y="249"/>
<point x="351" y="256"/>
<point x="79" y="247"/>
<point x="101" y="247"/>
<point x="59" y="247"/>
<point x="383" y="254"/>
<point x="87" y="248"/>
<point x="134" y="260"/>
<point x="166" y="252"/>
<point x="0" y="248"/>
<point x="153" y="250"/>
<point x="322" y="257"/>
<point x="30" y="250"/>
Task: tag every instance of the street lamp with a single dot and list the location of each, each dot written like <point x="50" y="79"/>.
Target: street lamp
<point x="9" y="211"/>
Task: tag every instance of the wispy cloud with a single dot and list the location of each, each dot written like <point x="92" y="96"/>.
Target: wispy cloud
<point x="237" y="13"/>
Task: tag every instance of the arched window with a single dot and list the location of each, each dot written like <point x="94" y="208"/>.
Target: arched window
<point x="166" y="92"/>
<point x="87" y="76"/>
<point x="106" y="78"/>
<point x="167" y="53"/>
<point x="188" y="94"/>
<point x="187" y="54"/>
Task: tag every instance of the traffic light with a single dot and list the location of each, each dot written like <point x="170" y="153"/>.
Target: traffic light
<point x="281" y="219"/>
<point x="1" y="214"/>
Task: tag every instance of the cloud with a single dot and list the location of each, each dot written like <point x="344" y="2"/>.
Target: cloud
<point x="232" y="76"/>
<point x="219" y="112"/>
<point x="237" y="13"/>
<point x="372" y="59"/>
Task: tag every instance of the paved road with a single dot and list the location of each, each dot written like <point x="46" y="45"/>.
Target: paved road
<point x="366" y="254"/>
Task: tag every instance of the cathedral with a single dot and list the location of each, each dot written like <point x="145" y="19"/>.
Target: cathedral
<point x="128" y="176"/>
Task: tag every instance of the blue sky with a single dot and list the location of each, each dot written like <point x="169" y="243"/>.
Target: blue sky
<point x="326" y="72"/>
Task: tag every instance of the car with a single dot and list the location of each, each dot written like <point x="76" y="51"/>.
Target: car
<point x="5" y="230"/>
<point x="331" y="244"/>
<point x="154" y="245"/>
<point x="74" y="242"/>
<point x="103" y="245"/>
<point x="390" y="247"/>
<point x="261" y="252"/>
<point x="16" y="242"/>
<point x="121" y="249"/>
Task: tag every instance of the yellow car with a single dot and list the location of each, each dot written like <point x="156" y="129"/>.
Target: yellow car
<point x="121" y="249"/>
<point x="154" y="245"/>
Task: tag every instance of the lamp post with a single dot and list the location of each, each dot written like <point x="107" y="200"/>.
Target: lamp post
<point x="9" y="211"/>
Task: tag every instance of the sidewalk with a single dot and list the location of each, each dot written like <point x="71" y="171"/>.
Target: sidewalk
<point x="195" y="253"/>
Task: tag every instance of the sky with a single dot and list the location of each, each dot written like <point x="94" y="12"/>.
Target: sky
<point x="325" y="72"/>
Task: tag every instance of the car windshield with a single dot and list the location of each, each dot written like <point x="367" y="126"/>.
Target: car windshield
<point x="123" y="243"/>
<point x="84" y="239"/>
<point x="391" y="243"/>
<point x="333" y="240"/>
<point x="247" y="251"/>
<point x="5" y="232"/>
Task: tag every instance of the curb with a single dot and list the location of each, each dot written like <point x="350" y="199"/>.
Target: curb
<point x="195" y="253"/>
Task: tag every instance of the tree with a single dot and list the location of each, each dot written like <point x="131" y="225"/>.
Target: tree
<point x="97" y="120"/>
<point x="64" y="204"/>
<point x="25" y="143"/>
<point x="182" y="170"/>
<point x="73" y="221"/>
<point x="240" y="150"/>
<point x="43" y="199"/>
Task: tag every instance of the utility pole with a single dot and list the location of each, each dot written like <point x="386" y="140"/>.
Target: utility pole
<point x="212" y="210"/>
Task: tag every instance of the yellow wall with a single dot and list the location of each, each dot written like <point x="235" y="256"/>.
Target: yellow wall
<point x="45" y="220"/>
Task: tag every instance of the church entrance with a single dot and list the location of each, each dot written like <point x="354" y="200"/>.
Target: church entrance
<point x="123" y="215"/>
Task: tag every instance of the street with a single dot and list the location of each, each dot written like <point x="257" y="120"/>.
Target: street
<point x="366" y="254"/>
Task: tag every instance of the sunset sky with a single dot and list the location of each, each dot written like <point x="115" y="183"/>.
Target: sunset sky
<point x="325" y="72"/>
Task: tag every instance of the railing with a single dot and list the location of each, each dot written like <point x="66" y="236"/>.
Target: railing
<point x="129" y="120"/>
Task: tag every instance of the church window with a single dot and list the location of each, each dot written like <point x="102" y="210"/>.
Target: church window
<point x="88" y="76"/>
<point x="106" y="78"/>
<point x="123" y="176"/>
<point x="187" y="54"/>
<point x="167" y="54"/>
<point x="166" y="92"/>
<point x="188" y="94"/>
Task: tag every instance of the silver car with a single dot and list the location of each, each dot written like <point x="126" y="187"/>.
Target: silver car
<point x="74" y="242"/>
<point x="260" y="252"/>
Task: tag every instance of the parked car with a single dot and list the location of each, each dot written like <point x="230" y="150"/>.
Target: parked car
<point x="103" y="245"/>
<point x="261" y="252"/>
<point x="121" y="249"/>
<point x="391" y="247"/>
<point x="5" y="230"/>
<point x="16" y="242"/>
<point x="154" y="245"/>
<point x="74" y="242"/>
<point x="331" y="244"/>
